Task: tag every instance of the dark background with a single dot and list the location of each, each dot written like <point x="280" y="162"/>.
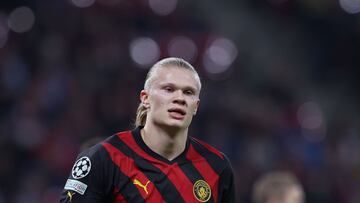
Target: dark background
<point x="280" y="86"/>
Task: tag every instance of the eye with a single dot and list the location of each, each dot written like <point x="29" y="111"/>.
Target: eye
<point x="168" y="89"/>
<point x="188" y="92"/>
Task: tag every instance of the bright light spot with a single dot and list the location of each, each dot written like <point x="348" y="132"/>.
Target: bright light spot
<point x="144" y="51"/>
<point x="350" y="6"/>
<point x="83" y="3"/>
<point x="310" y="116"/>
<point x="162" y="7"/>
<point x="183" y="47"/>
<point x="21" y="19"/>
<point x="212" y="67"/>
<point x="223" y="52"/>
<point x="4" y="30"/>
<point x="219" y="56"/>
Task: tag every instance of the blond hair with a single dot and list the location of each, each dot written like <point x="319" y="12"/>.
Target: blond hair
<point x="274" y="185"/>
<point x="172" y="62"/>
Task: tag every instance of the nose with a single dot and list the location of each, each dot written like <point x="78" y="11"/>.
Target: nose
<point x="179" y="98"/>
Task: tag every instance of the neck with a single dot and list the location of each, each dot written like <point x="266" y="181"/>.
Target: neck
<point x="169" y="143"/>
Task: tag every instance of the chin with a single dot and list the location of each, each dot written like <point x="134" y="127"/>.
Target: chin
<point x="175" y="124"/>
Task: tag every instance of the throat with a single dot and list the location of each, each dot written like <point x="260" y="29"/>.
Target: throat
<point x="163" y="144"/>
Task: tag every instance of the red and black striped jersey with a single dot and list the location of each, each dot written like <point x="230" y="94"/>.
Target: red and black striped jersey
<point x="123" y="169"/>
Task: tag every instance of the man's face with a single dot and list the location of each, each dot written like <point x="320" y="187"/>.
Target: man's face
<point x="172" y="98"/>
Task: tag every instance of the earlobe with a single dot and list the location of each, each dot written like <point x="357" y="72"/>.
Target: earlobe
<point x="146" y="105"/>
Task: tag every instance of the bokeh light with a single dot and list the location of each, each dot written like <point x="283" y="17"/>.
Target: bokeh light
<point x="280" y="86"/>
<point x="21" y="19"/>
<point x="162" y="7"/>
<point x="83" y="3"/>
<point x="144" y="51"/>
<point x="219" y="56"/>
<point x="183" y="47"/>
<point x="350" y="6"/>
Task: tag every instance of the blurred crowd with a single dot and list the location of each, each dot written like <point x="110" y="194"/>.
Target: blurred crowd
<point x="280" y="86"/>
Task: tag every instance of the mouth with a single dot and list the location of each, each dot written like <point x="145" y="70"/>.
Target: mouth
<point x="177" y="111"/>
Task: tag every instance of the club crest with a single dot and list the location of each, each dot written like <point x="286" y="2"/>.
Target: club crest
<point x="202" y="191"/>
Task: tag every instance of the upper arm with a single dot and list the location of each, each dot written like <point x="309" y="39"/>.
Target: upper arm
<point x="87" y="181"/>
<point x="227" y="184"/>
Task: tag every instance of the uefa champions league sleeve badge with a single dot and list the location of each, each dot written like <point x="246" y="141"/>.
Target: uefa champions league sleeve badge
<point x="81" y="168"/>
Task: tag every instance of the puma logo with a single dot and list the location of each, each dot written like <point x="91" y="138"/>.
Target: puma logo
<point x="137" y="182"/>
<point x="70" y="195"/>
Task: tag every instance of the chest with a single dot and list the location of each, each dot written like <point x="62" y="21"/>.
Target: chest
<point x="145" y="181"/>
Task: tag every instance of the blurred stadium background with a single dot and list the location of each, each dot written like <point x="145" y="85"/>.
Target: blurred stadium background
<point x="281" y="86"/>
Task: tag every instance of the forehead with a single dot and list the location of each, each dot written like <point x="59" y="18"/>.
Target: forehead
<point x="175" y="75"/>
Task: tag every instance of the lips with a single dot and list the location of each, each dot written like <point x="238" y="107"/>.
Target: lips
<point x="177" y="110"/>
<point x="177" y="113"/>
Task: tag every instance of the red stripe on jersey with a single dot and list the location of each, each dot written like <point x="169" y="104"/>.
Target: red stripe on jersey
<point x="173" y="172"/>
<point x="119" y="198"/>
<point x="204" y="168"/>
<point x="181" y="182"/>
<point x="210" y="148"/>
<point x="129" y="168"/>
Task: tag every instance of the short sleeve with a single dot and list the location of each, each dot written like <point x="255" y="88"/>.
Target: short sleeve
<point x="88" y="181"/>
<point x="227" y="185"/>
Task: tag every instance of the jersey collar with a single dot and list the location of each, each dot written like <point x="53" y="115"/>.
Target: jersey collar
<point x="179" y="159"/>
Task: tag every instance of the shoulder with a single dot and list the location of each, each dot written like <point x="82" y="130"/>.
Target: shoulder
<point x="100" y="154"/>
<point x="205" y="147"/>
<point x="91" y="152"/>
<point x="119" y="135"/>
<point x="217" y="159"/>
<point x="116" y="141"/>
<point x="98" y="150"/>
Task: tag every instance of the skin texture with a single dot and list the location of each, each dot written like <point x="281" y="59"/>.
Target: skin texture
<point x="172" y="90"/>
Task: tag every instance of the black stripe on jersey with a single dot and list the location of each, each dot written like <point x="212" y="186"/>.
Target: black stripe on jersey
<point x="192" y="173"/>
<point x="155" y="175"/>
<point x="213" y="159"/>
<point x="121" y="181"/>
<point x="126" y="188"/>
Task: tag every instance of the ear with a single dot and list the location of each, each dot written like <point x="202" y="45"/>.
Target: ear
<point x="144" y="97"/>
<point x="197" y="106"/>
